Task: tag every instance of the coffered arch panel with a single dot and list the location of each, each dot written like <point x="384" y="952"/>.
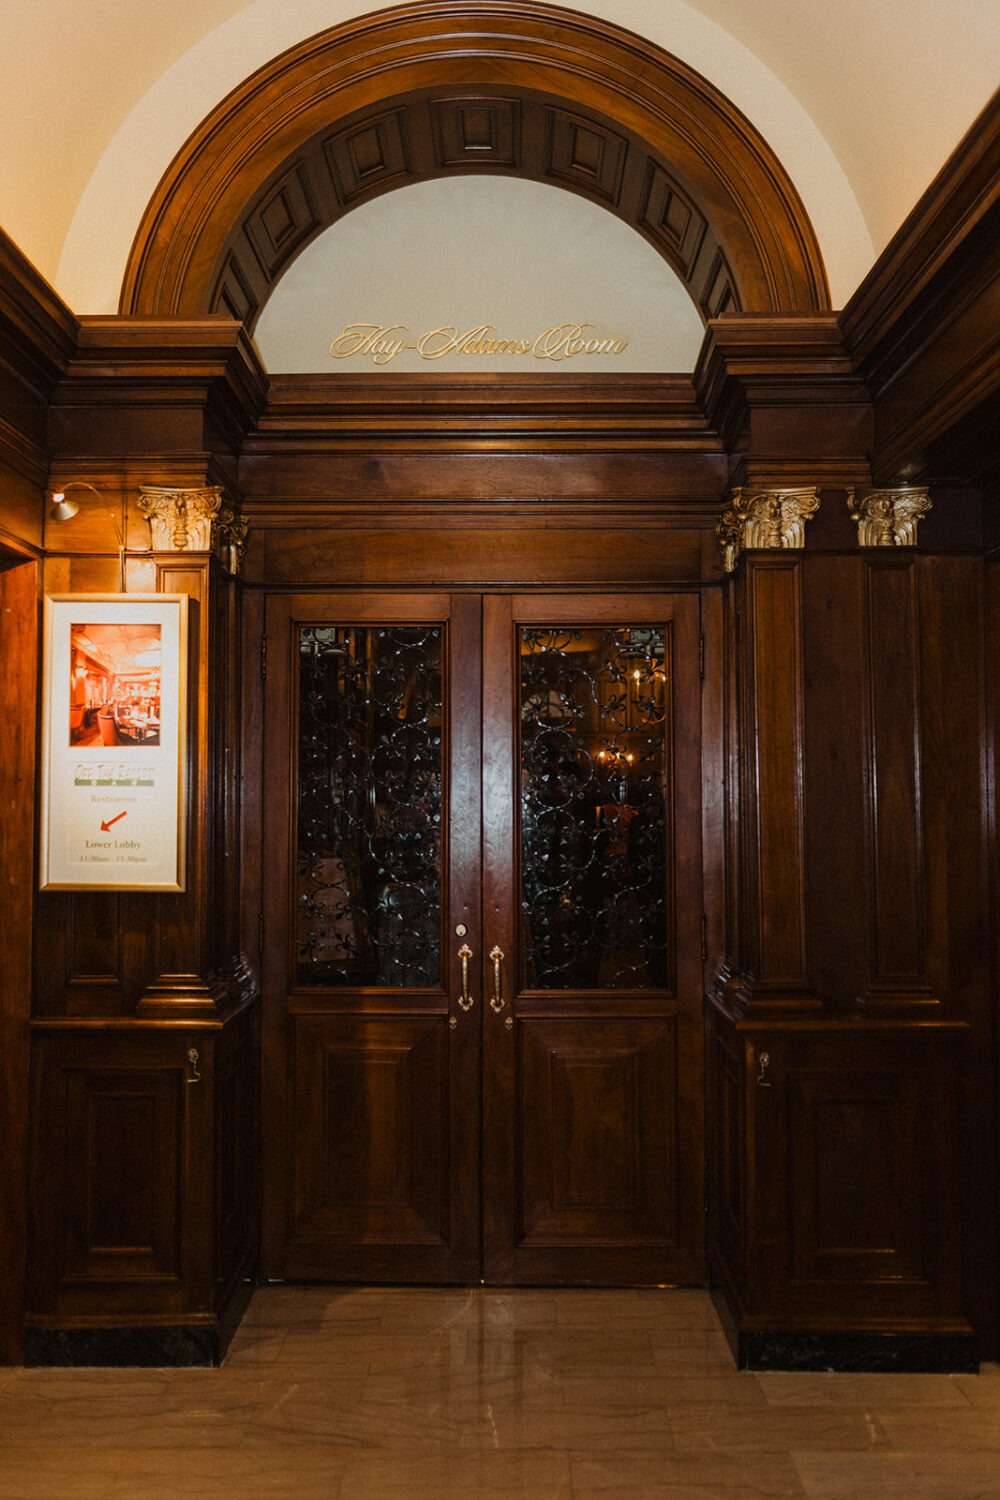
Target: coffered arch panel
<point x="427" y="90"/>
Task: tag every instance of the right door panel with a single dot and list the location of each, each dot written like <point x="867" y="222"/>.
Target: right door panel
<point x="593" y="1078"/>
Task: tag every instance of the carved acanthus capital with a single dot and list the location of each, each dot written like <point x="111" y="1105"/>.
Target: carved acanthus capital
<point x="888" y="518"/>
<point x="195" y="520"/>
<point x="230" y="538"/>
<point x="180" y="520"/>
<point x="770" y="519"/>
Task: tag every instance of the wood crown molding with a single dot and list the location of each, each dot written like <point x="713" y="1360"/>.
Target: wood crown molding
<point x="482" y="412"/>
<point x="37" y="338"/>
<point x="955" y="216"/>
<point x="198" y="365"/>
<point x="922" y="327"/>
<point x="430" y="89"/>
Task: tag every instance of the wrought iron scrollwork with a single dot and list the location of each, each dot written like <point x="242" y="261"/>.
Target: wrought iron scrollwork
<point x="594" y="797"/>
<point x="369" y="806"/>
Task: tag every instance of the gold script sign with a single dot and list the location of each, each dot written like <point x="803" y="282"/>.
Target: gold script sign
<point x="382" y="342"/>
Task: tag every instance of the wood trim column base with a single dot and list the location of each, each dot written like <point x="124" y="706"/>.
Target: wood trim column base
<point x="196" y="1342"/>
<point x="951" y="1349"/>
<point x="741" y="995"/>
<point x="187" y="997"/>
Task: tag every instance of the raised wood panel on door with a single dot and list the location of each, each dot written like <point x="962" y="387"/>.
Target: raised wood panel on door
<point x="374" y="1093"/>
<point x="599" y="1153"/>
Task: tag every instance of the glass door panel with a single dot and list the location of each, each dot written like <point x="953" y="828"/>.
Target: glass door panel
<point x="369" y="776"/>
<point x="594" y="797"/>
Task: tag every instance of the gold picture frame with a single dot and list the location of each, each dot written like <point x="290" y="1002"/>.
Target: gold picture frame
<point x="114" y="737"/>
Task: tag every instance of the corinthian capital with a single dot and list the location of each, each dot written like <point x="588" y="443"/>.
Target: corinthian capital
<point x="888" y="518"/>
<point x="180" y="520"/>
<point x="771" y="519"/>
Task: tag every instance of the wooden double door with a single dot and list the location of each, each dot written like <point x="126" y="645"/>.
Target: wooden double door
<point x="482" y="953"/>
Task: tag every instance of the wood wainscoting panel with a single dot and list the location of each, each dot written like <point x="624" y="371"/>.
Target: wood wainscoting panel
<point x="121" y="1197"/>
<point x="860" y="1175"/>
<point x="122" y="1174"/>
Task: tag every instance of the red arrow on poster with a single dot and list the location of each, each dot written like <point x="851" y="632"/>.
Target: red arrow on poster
<point x="106" y="827"/>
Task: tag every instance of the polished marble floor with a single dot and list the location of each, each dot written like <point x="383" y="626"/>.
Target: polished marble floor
<point x="409" y="1394"/>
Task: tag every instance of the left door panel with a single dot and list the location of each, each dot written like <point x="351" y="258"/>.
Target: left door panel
<point x="372" y="837"/>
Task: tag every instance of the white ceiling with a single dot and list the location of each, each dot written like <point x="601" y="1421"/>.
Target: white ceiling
<point x="863" y="100"/>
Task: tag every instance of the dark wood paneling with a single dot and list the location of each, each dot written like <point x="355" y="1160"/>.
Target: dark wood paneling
<point x="772" y="760"/>
<point x="372" y="153"/>
<point x="349" y="557"/>
<point x="284" y="221"/>
<point x="859" y="1156"/>
<point x="477" y="130"/>
<point x="669" y="217"/>
<point x="144" y="1171"/>
<point x="237" y="1155"/>
<point x="585" y="156"/>
<point x="784" y="394"/>
<point x="853" y="1207"/>
<point x="18" y="697"/>
<point x="895" y="799"/>
<point x="838" y="786"/>
<point x="122" y="1175"/>
<point x="860" y="1185"/>
<point x="37" y="335"/>
<point x="953" y="803"/>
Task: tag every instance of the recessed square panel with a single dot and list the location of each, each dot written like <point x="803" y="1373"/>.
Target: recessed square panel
<point x="282" y="222"/>
<point x="371" y="154"/>
<point x="672" y="220"/>
<point x="584" y="153"/>
<point x="233" y="294"/>
<point x="476" y="131"/>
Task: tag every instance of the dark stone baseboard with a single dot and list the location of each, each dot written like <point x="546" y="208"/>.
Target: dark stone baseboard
<point x="883" y="1353"/>
<point x="147" y="1348"/>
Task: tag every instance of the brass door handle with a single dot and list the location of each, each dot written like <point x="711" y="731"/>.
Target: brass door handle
<point x="465" y="1000"/>
<point x="497" y="957"/>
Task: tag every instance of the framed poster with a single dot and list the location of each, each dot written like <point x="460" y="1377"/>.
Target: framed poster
<point x="113" y="761"/>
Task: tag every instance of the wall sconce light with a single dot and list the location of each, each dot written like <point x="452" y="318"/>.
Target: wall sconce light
<point x="64" y="509"/>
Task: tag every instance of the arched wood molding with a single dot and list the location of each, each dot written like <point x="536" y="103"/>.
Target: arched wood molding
<point x="426" y="90"/>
